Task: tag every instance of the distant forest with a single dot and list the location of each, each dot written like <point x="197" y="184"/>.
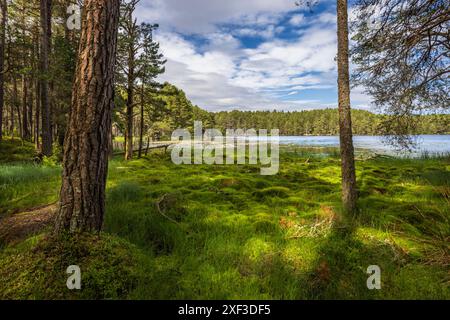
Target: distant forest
<point x="173" y="110"/>
<point x="325" y="122"/>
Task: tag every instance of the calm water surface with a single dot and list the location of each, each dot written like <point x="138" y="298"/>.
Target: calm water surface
<point x="431" y="144"/>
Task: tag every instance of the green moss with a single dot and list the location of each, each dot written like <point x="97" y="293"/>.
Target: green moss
<point x="110" y="268"/>
<point x="266" y="193"/>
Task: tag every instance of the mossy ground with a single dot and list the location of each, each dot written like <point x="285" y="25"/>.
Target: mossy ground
<point x="226" y="232"/>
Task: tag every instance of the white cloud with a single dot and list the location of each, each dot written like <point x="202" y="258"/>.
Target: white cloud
<point x="266" y="33"/>
<point x="199" y="16"/>
<point x="297" y="19"/>
<point x="228" y="75"/>
<point x="220" y="73"/>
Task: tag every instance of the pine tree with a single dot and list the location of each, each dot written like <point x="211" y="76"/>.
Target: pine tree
<point x="349" y="192"/>
<point x="82" y="196"/>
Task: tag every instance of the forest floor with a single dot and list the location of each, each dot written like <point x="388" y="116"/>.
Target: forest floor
<point x="226" y="232"/>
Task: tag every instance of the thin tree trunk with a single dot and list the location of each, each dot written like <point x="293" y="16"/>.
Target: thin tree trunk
<point x="349" y="192"/>
<point x="148" y="145"/>
<point x="46" y="7"/>
<point x="3" y="20"/>
<point x="82" y="197"/>
<point x="30" y="110"/>
<point x="37" y="100"/>
<point x="141" y="126"/>
<point x="37" y="117"/>
<point x="129" y="117"/>
<point x="25" y="130"/>
<point x="11" y="119"/>
<point x="15" y="96"/>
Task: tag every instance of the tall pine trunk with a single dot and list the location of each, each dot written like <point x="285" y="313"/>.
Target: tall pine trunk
<point x="45" y="7"/>
<point x="82" y="197"/>
<point x="37" y="118"/>
<point x="349" y="192"/>
<point x="25" y="129"/>
<point x="11" y="115"/>
<point x="16" y="106"/>
<point x="141" y="124"/>
<point x="3" y="20"/>
<point x="37" y="91"/>
<point x="30" y="110"/>
<point x="129" y="115"/>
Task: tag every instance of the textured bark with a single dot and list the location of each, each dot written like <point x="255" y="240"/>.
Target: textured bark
<point x="3" y="19"/>
<point x="349" y="192"/>
<point x="45" y="7"/>
<point x="82" y="197"/>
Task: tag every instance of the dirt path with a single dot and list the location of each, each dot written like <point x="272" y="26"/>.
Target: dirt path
<point x="21" y="225"/>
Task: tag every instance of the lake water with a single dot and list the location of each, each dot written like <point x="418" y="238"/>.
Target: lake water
<point x="431" y="144"/>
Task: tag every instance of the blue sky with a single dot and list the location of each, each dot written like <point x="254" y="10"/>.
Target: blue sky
<point x="250" y="54"/>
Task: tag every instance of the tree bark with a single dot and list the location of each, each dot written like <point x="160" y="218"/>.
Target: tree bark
<point x="82" y="197"/>
<point x="16" y="105"/>
<point x="25" y="130"/>
<point x="11" y="117"/>
<point x="141" y="124"/>
<point x="37" y="113"/>
<point x="30" y="110"/>
<point x="45" y="7"/>
<point x="3" y="20"/>
<point x="129" y="116"/>
<point x="349" y="192"/>
<point x="37" y="91"/>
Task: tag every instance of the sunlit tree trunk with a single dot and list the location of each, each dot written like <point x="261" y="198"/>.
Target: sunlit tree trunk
<point x="349" y="192"/>
<point x="82" y="197"/>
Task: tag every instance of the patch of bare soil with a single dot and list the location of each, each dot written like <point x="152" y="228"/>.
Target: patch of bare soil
<point x="21" y="225"/>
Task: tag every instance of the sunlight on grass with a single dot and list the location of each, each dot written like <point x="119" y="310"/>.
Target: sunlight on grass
<point x="225" y="232"/>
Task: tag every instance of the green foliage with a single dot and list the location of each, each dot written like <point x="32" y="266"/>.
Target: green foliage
<point x="180" y="109"/>
<point x="55" y="159"/>
<point x="323" y="122"/>
<point x="14" y="151"/>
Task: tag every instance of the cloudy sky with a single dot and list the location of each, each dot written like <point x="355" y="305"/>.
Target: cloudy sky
<point x="249" y="54"/>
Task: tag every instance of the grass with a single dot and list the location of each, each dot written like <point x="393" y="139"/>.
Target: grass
<point x="225" y="232"/>
<point x="23" y="183"/>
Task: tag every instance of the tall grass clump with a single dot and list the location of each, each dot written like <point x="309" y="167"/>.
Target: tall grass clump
<point x="23" y="186"/>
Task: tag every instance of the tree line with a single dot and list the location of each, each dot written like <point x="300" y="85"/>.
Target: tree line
<point x="325" y="122"/>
